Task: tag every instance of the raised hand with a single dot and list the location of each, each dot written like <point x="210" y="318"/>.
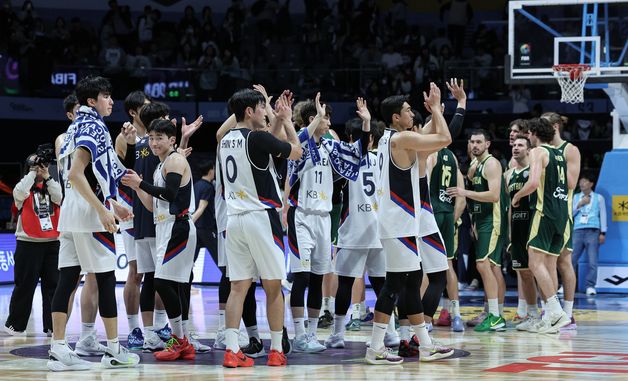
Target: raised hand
<point x="282" y="107"/>
<point x="320" y="108"/>
<point x="457" y="89"/>
<point x="188" y="130"/>
<point x="362" y="111"/>
<point x="262" y="90"/>
<point x="432" y="101"/>
<point x="129" y="133"/>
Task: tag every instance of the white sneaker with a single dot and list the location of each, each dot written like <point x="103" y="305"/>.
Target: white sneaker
<point x="384" y="357"/>
<point x="561" y="290"/>
<point x="152" y="342"/>
<point x="335" y="341"/>
<point x="535" y="325"/>
<point x="591" y="291"/>
<point x="12" y="332"/>
<point x="122" y="359"/>
<point x="435" y="352"/>
<point x="308" y="344"/>
<point x="62" y="358"/>
<point x="391" y="339"/>
<point x="89" y="346"/>
<point x="555" y="323"/>
<point x="526" y="323"/>
<point x="200" y="348"/>
<point x="219" y="343"/>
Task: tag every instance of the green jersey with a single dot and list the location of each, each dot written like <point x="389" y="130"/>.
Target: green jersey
<point x="487" y="216"/>
<point x="551" y="196"/>
<point x="520" y="215"/>
<point x="563" y="148"/>
<point x="444" y="175"/>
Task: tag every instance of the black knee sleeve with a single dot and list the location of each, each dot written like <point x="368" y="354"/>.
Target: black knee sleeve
<point x="300" y="283"/>
<point x="438" y="283"/>
<point x="147" y="293"/>
<point x="343" y="294"/>
<point x="377" y="283"/>
<point x="412" y="293"/>
<point x="68" y="278"/>
<point x="169" y="293"/>
<point x="315" y="292"/>
<point x="249" y="309"/>
<point x="224" y="288"/>
<point x="389" y="293"/>
<point x="107" y="294"/>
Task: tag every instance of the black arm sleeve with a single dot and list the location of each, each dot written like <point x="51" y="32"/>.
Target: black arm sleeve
<point x="455" y="125"/>
<point x="167" y="193"/>
<point x="129" y="158"/>
<point x="365" y="136"/>
<point x="262" y="143"/>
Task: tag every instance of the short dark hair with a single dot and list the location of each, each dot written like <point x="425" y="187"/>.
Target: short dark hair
<point x="521" y="123"/>
<point x="242" y="99"/>
<point x="309" y="110"/>
<point x="163" y="126"/>
<point x="392" y="105"/>
<point x="542" y="129"/>
<point x="481" y="131"/>
<point x="589" y="175"/>
<point x="90" y="87"/>
<point x="377" y="131"/>
<point x="152" y="111"/>
<point x="553" y="118"/>
<point x="523" y="137"/>
<point x="418" y="119"/>
<point x="70" y="102"/>
<point x="206" y="166"/>
<point x="134" y="101"/>
<point x="353" y="128"/>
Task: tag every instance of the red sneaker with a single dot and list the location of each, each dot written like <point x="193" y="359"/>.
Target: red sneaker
<point x="444" y="319"/>
<point x="276" y="358"/>
<point x="234" y="360"/>
<point x="176" y="348"/>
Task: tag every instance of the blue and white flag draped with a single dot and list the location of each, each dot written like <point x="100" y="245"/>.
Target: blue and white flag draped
<point x="89" y="131"/>
<point x="344" y="157"/>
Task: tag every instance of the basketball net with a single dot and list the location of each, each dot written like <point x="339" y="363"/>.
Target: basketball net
<point x="571" y="78"/>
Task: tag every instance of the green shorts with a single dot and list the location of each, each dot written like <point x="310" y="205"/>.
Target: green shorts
<point x="547" y="235"/>
<point x="489" y="246"/>
<point x="569" y="243"/>
<point x="447" y="227"/>
<point x="335" y="222"/>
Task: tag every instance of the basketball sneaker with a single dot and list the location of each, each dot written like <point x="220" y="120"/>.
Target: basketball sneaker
<point x="89" y="346"/>
<point x="122" y="359"/>
<point x="525" y="324"/>
<point x="516" y="320"/>
<point x="286" y="345"/>
<point x="434" y="352"/>
<point x="326" y="320"/>
<point x="457" y="325"/>
<point x="382" y="357"/>
<point x="176" y="348"/>
<point x="276" y="358"/>
<point x="429" y="327"/>
<point x="335" y="340"/>
<point x="409" y="348"/>
<point x="164" y="333"/>
<point x="535" y="325"/>
<point x="219" y="343"/>
<point x="198" y="346"/>
<point x="444" y="319"/>
<point x="135" y="340"/>
<point x="491" y="323"/>
<point x="367" y="318"/>
<point x="12" y="332"/>
<point x="254" y="349"/>
<point x="152" y="342"/>
<point x="62" y="358"/>
<point x="353" y="325"/>
<point x="308" y="344"/>
<point x="235" y="360"/>
<point x="554" y="323"/>
<point x="572" y="326"/>
<point x="478" y="319"/>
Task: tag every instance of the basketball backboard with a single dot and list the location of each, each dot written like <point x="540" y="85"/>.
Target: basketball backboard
<point x="546" y="33"/>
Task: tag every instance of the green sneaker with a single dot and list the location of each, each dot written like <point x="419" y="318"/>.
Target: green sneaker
<point x="353" y="325"/>
<point x="491" y="323"/>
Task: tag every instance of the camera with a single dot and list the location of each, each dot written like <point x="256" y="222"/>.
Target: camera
<point x="44" y="155"/>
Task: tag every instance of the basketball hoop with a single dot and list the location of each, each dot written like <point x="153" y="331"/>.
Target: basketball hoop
<point x="571" y="78"/>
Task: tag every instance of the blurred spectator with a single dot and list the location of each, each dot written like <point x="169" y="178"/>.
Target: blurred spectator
<point x="210" y="66"/>
<point x="112" y="57"/>
<point x="189" y="21"/>
<point x="186" y="56"/>
<point x="391" y="59"/>
<point x="440" y="41"/>
<point x="460" y="15"/>
<point x="425" y="67"/>
<point x="145" y="24"/>
<point x="520" y="97"/>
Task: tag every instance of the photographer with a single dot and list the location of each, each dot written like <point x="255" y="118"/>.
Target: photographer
<point x="37" y="197"/>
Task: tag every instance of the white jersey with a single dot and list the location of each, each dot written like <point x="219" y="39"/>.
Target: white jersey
<point x="397" y="194"/>
<point x="220" y="205"/>
<point x="313" y="190"/>
<point x="246" y="187"/>
<point x="427" y="221"/>
<point x="358" y="219"/>
<point x="183" y="204"/>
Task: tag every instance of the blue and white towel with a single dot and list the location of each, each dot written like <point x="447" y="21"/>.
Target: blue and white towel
<point x="89" y="131"/>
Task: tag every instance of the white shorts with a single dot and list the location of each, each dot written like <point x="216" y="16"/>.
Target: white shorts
<point x="255" y="246"/>
<point x="222" y="252"/>
<point x="94" y="252"/>
<point x="402" y="254"/>
<point x="176" y="244"/>
<point x="145" y="255"/>
<point x="129" y="246"/>
<point x="433" y="253"/>
<point x="309" y="238"/>
<point x="353" y="262"/>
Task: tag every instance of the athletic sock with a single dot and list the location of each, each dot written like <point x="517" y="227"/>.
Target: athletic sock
<point x="252" y="332"/>
<point x="221" y="319"/>
<point x="134" y="322"/>
<point x="444" y="302"/>
<point x="339" y="325"/>
<point x="186" y="328"/>
<point x="455" y="307"/>
<point x="299" y="327"/>
<point x="326" y="305"/>
<point x="312" y="326"/>
<point x="533" y="310"/>
<point x="176" y="324"/>
<point x="553" y="305"/>
<point x="421" y="332"/>
<point x="114" y="345"/>
<point x="377" y="337"/>
<point x="275" y="340"/>
<point x="87" y="329"/>
<point x="521" y="307"/>
<point x="231" y="339"/>
<point x="355" y="311"/>
<point x="405" y="333"/>
<point x="500" y="307"/>
<point x="568" y="307"/>
<point x="362" y="309"/>
<point x="391" y="324"/>
<point x="161" y="318"/>
<point x="493" y="307"/>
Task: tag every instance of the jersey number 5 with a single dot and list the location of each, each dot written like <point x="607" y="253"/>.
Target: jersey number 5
<point x="369" y="185"/>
